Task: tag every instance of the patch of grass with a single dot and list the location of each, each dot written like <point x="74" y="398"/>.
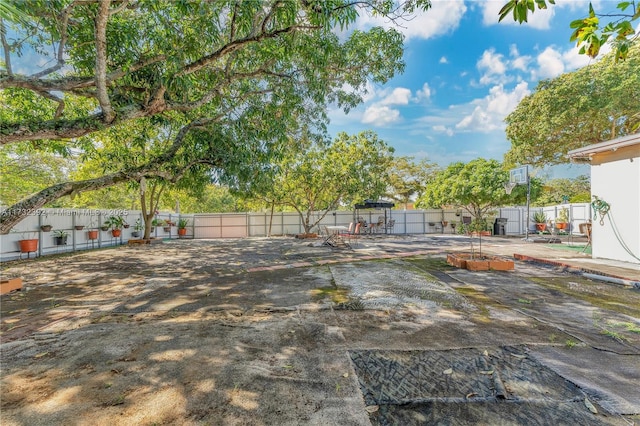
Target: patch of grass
<point x="525" y="301"/>
<point x="337" y="295"/>
<point x="614" y="335"/>
<point x="628" y="326"/>
<point x="570" y="343"/>
<point x="553" y="337"/>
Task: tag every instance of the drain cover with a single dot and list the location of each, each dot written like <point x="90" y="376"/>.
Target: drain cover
<point x="466" y="386"/>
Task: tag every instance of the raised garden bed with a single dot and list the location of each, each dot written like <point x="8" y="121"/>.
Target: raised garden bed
<point x="480" y="263"/>
<point x="309" y="235"/>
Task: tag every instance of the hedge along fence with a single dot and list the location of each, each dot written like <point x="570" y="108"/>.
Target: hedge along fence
<point x="241" y="225"/>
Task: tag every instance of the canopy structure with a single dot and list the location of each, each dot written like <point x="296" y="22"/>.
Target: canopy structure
<point x="373" y="205"/>
<point x="370" y="204"/>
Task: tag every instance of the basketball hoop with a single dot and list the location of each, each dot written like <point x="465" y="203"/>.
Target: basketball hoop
<point x="508" y="187"/>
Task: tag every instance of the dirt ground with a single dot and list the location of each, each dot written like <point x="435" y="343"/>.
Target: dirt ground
<point x="284" y="331"/>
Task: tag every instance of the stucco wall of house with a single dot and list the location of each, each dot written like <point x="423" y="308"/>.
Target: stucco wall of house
<point x="618" y="183"/>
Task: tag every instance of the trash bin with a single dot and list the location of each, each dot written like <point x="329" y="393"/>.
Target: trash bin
<point x="499" y="226"/>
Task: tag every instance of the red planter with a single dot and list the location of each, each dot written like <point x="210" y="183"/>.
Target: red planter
<point x="116" y="232"/>
<point x="465" y="261"/>
<point x="561" y="225"/>
<point x="93" y="234"/>
<point x="541" y="227"/>
<point x="28" y="246"/>
<point x="182" y="231"/>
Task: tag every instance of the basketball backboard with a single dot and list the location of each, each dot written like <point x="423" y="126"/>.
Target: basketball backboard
<point x="519" y="175"/>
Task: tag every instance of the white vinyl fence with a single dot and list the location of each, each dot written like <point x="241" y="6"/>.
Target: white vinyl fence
<point x="78" y="222"/>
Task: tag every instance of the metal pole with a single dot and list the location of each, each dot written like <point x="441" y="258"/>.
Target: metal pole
<point x="526" y="226"/>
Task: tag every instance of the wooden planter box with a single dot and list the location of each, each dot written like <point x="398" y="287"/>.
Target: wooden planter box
<point x="310" y="235"/>
<point x="494" y="263"/>
<point x="9" y="285"/>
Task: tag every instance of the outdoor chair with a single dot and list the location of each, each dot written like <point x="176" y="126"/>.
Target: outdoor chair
<point x="390" y="224"/>
<point x="352" y="234"/>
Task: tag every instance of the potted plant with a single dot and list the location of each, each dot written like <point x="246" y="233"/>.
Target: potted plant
<point x="115" y="223"/>
<point x="46" y="228"/>
<point x="137" y="227"/>
<point x="60" y="237"/>
<point x="540" y="220"/>
<point x="27" y="243"/>
<point x="79" y="227"/>
<point x="156" y="222"/>
<point x="166" y="225"/>
<point x="182" y="227"/>
<point x="562" y="219"/>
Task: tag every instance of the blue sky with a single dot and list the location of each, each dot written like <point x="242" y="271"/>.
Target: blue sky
<point x="464" y="73"/>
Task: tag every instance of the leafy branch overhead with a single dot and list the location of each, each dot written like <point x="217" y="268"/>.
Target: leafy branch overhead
<point x="590" y="33"/>
<point x="115" y="61"/>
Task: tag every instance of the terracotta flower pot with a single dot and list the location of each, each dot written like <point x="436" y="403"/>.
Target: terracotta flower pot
<point x="93" y="234"/>
<point x="541" y="227"/>
<point x="116" y="232"/>
<point x="28" y="246"/>
<point x="561" y="225"/>
<point x="182" y="231"/>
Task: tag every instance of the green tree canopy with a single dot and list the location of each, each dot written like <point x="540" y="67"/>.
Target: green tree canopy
<point x="558" y="191"/>
<point x="593" y="104"/>
<point x="325" y="177"/>
<point x="142" y="58"/>
<point x="230" y="73"/>
<point x="477" y="187"/>
<point x="408" y="178"/>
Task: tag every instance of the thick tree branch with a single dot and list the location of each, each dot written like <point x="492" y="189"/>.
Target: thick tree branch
<point x="238" y="44"/>
<point x="152" y="169"/>
<point x="101" y="61"/>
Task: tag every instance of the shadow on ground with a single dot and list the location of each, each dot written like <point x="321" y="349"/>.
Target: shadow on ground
<point x="185" y="333"/>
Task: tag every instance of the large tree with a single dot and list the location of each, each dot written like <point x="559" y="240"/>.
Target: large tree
<point x="408" y="179"/>
<point x="135" y="59"/>
<point x="558" y="191"/>
<point x="326" y="177"/>
<point x="477" y="187"/>
<point x="243" y="70"/>
<point x="595" y="103"/>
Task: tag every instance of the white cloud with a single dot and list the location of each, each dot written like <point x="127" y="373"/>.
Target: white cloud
<point x="380" y="115"/>
<point x="550" y="63"/>
<point x="443" y="60"/>
<point x="424" y="93"/>
<point x="539" y="20"/>
<point x="443" y="129"/>
<point x="489" y="112"/>
<point x="399" y="96"/>
<point x="443" y="17"/>
<point x="492" y="67"/>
